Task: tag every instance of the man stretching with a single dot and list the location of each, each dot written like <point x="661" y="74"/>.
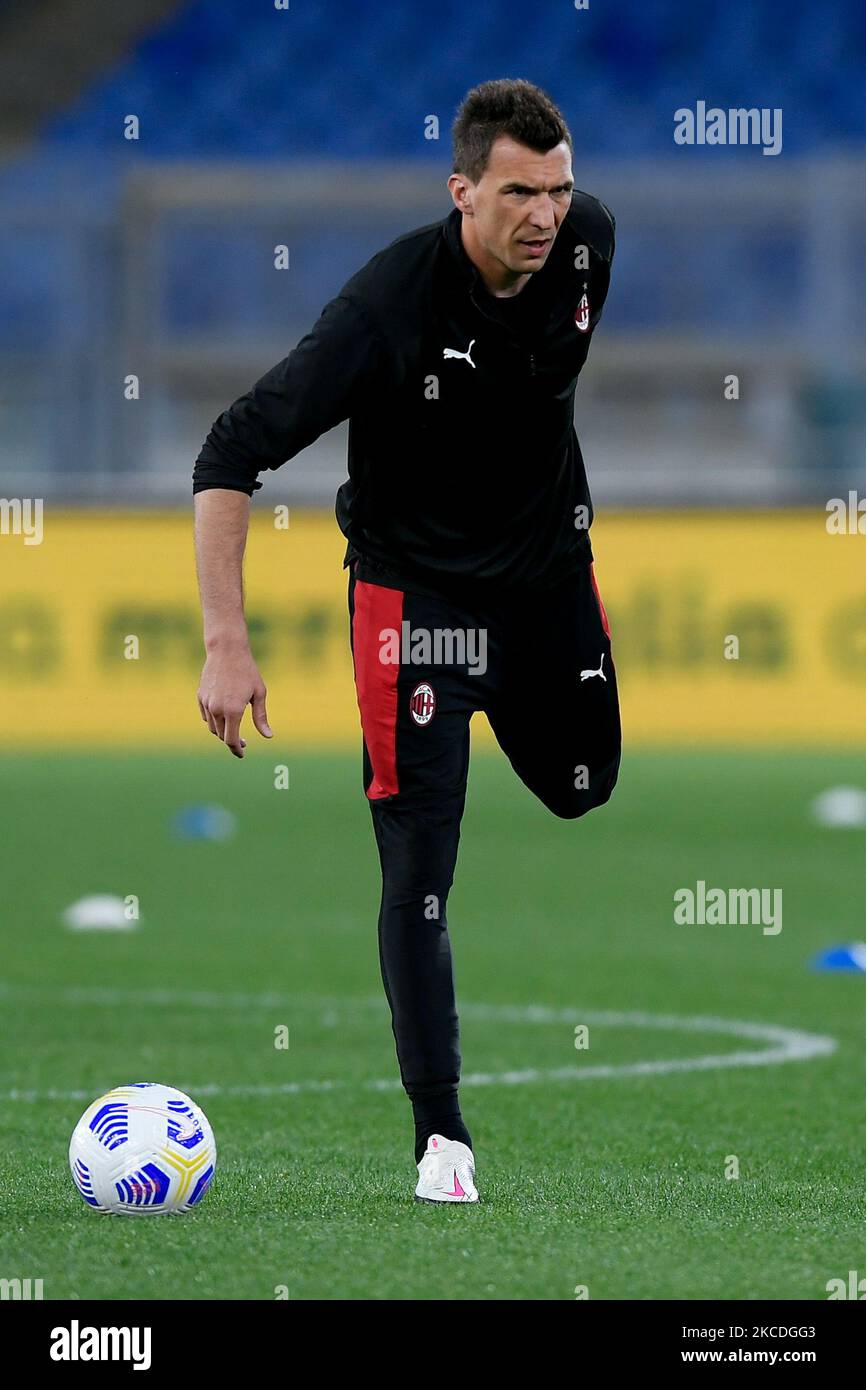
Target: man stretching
<point x="454" y="354"/>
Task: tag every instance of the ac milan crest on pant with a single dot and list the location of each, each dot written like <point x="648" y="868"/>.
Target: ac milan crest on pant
<point x="422" y="705"/>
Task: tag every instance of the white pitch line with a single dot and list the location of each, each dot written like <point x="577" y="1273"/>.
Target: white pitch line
<point x="785" y="1044"/>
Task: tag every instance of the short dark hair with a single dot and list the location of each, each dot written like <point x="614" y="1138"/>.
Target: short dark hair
<point x="506" y="106"/>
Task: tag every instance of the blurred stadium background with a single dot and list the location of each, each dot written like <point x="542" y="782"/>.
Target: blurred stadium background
<point x="153" y="258"/>
<point x="308" y="127"/>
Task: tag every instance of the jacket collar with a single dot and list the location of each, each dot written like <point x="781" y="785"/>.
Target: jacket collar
<point x="454" y="241"/>
<point x="545" y="290"/>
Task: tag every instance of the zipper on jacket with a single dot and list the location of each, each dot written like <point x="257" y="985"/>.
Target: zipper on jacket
<point x="503" y="328"/>
<point x="497" y="323"/>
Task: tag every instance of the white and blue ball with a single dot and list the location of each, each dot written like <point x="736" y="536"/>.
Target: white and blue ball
<point x="142" y="1149"/>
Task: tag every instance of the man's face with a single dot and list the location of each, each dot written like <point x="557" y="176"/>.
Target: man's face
<point x="518" y="204"/>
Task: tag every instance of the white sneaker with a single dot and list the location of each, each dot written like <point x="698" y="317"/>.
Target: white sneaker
<point x="446" y="1173"/>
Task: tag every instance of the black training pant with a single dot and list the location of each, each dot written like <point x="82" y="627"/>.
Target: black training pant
<point x="541" y="669"/>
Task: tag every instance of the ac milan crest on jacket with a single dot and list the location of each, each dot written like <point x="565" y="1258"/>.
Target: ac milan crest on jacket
<point x="464" y="464"/>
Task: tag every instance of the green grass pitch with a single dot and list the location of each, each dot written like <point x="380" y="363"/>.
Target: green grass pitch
<point x="614" y="1181"/>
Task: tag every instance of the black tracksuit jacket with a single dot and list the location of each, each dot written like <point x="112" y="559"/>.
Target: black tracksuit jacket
<point x="465" y="472"/>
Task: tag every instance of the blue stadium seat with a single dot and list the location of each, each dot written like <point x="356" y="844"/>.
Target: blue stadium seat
<point x="337" y="80"/>
<point x="360" y="73"/>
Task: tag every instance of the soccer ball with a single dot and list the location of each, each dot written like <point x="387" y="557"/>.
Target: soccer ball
<point x="142" y="1148"/>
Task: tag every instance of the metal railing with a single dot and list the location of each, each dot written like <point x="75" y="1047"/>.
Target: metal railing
<point x="747" y="269"/>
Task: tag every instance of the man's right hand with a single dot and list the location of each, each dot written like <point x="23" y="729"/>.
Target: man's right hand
<point x="229" y="682"/>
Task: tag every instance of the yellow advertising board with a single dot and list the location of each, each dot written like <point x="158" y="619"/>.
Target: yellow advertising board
<point x="727" y="628"/>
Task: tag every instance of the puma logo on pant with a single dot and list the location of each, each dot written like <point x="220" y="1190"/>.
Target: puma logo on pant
<point x="585" y="675"/>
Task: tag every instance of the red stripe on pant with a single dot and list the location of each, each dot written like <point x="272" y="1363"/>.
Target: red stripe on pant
<point x="604" y="622"/>
<point x="377" y="609"/>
